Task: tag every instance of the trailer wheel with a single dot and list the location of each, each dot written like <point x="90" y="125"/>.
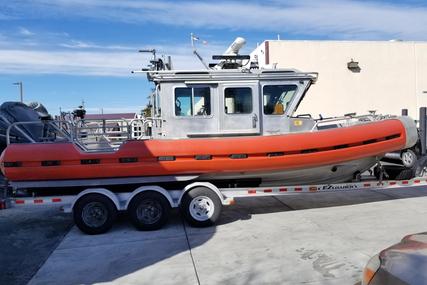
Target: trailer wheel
<point x="94" y="214"/>
<point x="406" y="174"/>
<point x="149" y="211"/>
<point x="201" y="207"/>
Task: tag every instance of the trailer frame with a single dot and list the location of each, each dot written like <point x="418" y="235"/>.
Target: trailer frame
<point x="200" y="202"/>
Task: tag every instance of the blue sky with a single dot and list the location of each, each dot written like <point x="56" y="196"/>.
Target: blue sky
<point x="66" y="51"/>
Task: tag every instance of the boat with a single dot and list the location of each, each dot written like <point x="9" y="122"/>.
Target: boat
<point x="226" y="123"/>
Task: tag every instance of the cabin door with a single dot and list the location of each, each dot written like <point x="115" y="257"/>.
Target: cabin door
<point x="239" y="109"/>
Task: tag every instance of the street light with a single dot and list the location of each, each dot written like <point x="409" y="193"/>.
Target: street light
<point x="21" y="90"/>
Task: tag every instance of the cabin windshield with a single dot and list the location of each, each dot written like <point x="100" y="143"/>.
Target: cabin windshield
<point x="277" y="98"/>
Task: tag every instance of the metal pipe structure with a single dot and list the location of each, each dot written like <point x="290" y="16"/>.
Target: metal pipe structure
<point x="21" y="90"/>
<point x="423" y="132"/>
<point x="193" y="39"/>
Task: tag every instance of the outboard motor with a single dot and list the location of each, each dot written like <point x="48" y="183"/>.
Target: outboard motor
<point x="40" y="109"/>
<point x="12" y="112"/>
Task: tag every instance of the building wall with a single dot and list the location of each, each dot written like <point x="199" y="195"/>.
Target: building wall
<point x="393" y="75"/>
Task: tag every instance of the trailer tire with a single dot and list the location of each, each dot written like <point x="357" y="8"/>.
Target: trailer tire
<point x="397" y="172"/>
<point x="149" y="211"/>
<point x="201" y="207"/>
<point x="406" y="174"/>
<point x="94" y="214"/>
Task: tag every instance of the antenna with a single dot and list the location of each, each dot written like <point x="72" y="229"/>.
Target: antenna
<point x="169" y="63"/>
<point x="193" y="39"/>
<point x="156" y="63"/>
<point x="232" y="53"/>
<point x="153" y="51"/>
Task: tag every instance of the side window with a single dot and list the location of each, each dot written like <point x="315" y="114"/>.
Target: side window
<point x="183" y="106"/>
<point x="277" y="98"/>
<point x="238" y="100"/>
<point x="192" y="101"/>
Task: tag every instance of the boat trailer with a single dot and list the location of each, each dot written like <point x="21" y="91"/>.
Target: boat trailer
<point x="148" y="207"/>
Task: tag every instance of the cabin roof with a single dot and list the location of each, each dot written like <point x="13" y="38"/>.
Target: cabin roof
<point x="196" y="76"/>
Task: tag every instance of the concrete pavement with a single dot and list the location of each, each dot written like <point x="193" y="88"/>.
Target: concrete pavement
<point x="304" y="239"/>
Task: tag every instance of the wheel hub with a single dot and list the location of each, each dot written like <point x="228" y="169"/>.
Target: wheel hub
<point x="408" y="158"/>
<point x="201" y="208"/>
<point x="149" y="212"/>
<point x="94" y="214"/>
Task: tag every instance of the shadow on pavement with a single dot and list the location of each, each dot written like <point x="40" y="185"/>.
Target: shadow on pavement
<point x="27" y="238"/>
<point x="127" y="255"/>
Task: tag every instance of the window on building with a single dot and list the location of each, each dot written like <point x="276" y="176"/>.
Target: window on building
<point x="277" y="98"/>
<point x="238" y="100"/>
<point x="192" y="101"/>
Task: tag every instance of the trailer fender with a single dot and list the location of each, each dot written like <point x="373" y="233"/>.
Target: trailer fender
<point x="224" y="201"/>
<point x="101" y="191"/>
<point x="150" y="188"/>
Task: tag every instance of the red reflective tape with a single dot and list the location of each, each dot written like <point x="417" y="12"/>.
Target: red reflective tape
<point x="283" y="189"/>
<point x="298" y="189"/>
<point x="392" y="183"/>
<point x="268" y="190"/>
<point x="367" y="185"/>
<point x="405" y="182"/>
<point x="19" y="201"/>
<point x="313" y="188"/>
<point x="251" y="191"/>
<point x="38" y="201"/>
<point x="417" y="181"/>
<point x="56" y="200"/>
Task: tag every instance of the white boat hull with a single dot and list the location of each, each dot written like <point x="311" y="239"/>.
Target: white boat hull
<point x="336" y="173"/>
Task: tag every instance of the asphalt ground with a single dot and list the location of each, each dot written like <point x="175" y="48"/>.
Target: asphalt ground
<point x="27" y="238"/>
<point x="313" y="238"/>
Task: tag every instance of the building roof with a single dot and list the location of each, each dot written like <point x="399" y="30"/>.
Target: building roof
<point x="112" y="116"/>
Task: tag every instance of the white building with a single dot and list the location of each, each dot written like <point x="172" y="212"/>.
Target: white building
<point x="385" y="76"/>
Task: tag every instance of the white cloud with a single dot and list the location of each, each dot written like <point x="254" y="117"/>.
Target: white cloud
<point x="99" y="63"/>
<point x="25" y="32"/>
<point x="61" y="54"/>
<point x="76" y="44"/>
<point x="330" y="18"/>
<point x="62" y="62"/>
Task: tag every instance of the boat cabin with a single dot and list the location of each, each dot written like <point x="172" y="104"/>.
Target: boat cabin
<point x="238" y="102"/>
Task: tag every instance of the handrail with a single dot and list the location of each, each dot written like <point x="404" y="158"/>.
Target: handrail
<point x="43" y="123"/>
<point x="85" y="137"/>
<point x="345" y="119"/>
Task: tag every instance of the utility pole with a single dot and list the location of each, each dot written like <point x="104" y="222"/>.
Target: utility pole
<point x="21" y="90"/>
